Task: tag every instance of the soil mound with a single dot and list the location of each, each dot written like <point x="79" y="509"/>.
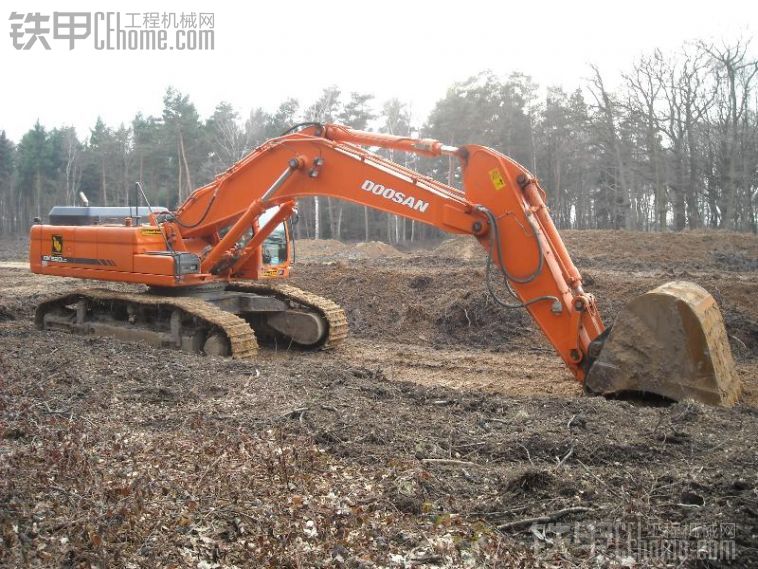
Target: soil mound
<point x="326" y="250"/>
<point x="633" y="250"/>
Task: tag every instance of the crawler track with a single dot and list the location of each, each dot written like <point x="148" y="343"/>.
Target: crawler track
<point x="204" y="316"/>
<point x="148" y="317"/>
<point x="329" y="310"/>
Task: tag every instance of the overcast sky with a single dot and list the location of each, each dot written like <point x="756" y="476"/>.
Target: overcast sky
<point x="410" y="49"/>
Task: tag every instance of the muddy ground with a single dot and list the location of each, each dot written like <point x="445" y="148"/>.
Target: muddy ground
<point x="432" y="437"/>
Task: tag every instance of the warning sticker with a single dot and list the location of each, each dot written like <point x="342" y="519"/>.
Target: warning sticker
<point x="497" y="179"/>
<point x="150" y="231"/>
<point x="57" y="245"/>
<point x="273" y="272"/>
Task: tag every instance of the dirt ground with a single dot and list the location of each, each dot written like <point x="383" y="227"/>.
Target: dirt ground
<point x="444" y="432"/>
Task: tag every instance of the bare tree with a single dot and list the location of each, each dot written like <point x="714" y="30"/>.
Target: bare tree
<point x="645" y="86"/>
<point x="72" y="165"/>
<point x="617" y="182"/>
<point x="734" y="75"/>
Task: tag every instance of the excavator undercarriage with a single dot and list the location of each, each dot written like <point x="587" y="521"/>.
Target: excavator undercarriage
<point x="218" y="320"/>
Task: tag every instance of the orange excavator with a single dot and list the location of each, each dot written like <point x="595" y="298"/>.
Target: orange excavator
<point x="213" y="266"/>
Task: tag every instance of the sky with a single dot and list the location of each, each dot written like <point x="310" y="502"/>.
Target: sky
<point x="265" y="52"/>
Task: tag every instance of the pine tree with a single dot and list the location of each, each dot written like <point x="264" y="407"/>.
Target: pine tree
<point x="7" y="203"/>
<point x="35" y="171"/>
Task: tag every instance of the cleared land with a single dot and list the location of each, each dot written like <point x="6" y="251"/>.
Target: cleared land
<point x="440" y="420"/>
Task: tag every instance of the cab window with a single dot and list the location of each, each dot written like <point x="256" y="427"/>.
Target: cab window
<point x="275" y="245"/>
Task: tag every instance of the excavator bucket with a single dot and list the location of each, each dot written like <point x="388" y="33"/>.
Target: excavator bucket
<point x="670" y="341"/>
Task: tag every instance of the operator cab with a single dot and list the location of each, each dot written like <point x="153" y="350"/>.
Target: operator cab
<point x="275" y="250"/>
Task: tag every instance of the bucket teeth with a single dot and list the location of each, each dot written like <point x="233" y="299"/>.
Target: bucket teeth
<point x="670" y="341"/>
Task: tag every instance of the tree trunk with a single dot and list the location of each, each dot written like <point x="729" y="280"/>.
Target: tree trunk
<point x="332" y="218"/>
<point x="179" y="198"/>
<point x="316" y="220"/>
<point x="190" y="187"/>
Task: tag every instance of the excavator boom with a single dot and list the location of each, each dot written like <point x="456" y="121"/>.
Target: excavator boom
<point x="216" y="237"/>
<point x="501" y="205"/>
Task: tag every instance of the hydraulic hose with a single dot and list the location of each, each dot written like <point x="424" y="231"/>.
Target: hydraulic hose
<point x="496" y="249"/>
<point x="300" y="125"/>
<point x="205" y="213"/>
<point x="215" y="192"/>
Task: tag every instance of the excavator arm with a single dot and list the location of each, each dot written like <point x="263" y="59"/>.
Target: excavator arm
<point x="502" y="205"/>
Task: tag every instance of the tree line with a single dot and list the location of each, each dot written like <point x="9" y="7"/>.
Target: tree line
<point x="673" y="147"/>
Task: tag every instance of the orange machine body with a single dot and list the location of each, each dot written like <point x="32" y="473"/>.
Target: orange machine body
<point x="126" y="254"/>
<point x="221" y="224"/>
